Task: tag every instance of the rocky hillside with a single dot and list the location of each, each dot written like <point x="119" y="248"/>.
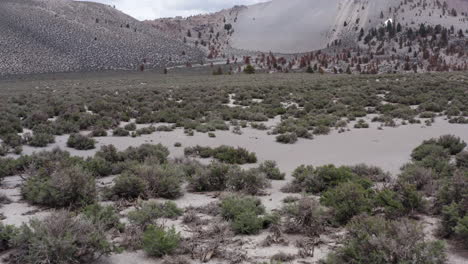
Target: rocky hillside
<point x="39" y="36"/>
<point x="430" y="32"/>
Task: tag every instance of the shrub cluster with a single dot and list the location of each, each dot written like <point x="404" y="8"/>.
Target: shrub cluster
<point x="225" y="154"/>
<point x="80" y="142"/>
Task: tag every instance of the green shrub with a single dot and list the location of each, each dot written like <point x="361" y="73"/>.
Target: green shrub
<point x="99" y="166"/>
<point x="61" y="238"/>
<point x="372" y="173"/>
<point x="225" y="154"/>
<point x="80" y="142"/>
<point x="249" y="69"/>
<point x="158" y="242"/>
<point x="321" y="130"/>
<point x="247" y="223"/>
<point x="120" y="132"/>
<point x="429" y="150"/>
<point x="102" y="215"/>
<point x="130" y="127"/>
<point x="422" y="178"/>
<point x="348" y="200"/>
<point x="233" y="206"/>
<point x="68" y="185"/>
<point x="151" y="211"/>
<point x="39" y="139"/>
<point x="98" y="132"/>
<point x="452" y="143"/>
<point x="361" y="124"/>
<point x="462" y="160"/>
<point x="128" y="186"/>
<point x="7" y="234"/>
<point x="304" y="216"/>
<point x="212" y="178"/>
<point x="288" y="138"/>
<point x="145" y="151"/>
<point x="323" y="178"/>
<point x="244" y="214"/>
<point x="164" y="181"/>
<point x="251" y="181"/>
<point x="412" y="200"/>
<point x="461" y="230"/>
<point x="376" y="240"/>
<point x="390" y="202"/>
<point x="271" y="171"/>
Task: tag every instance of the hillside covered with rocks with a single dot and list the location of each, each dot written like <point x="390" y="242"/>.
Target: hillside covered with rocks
<point x="42" y="36"/>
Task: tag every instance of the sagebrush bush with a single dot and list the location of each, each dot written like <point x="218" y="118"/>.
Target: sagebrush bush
<point x="377" y="240"/>
<point x="462" y="160"/>
<point x="80" y="142"/>
<point x="288" y="138"/>
<point x="225" y="154"/>
<point x="67" y="185"/>
<point x="320" y="179"/>
<point x="151" y="211"/>
<point x="98" y="132"/>
<point x="372" y="173"/>
<point x="164" y="181"/>
<point x="251" y="181"/>
<point x="344" y="207"/>
<point x="304" y="216"/>
<point x="38" y="139"/>
<point x="128" y="186"/>
<point x="120" y="132"/>
<point x="60" y="238"/>
<point x="209" y="179"/>
<point x="158" y="241"/>
<point x="244" y="214"/>
<point x="141" y="153"/>
<point x="270" y="169"/>
<point x="7" y="234"/>
<point x="105" y="216"/>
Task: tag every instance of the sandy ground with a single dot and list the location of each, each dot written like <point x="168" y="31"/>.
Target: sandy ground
<point x="389" y="148"/>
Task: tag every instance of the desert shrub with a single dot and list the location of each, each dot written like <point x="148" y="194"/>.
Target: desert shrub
<point x="109" y="153"/>
<point x="158" y="241"/>
<point x="177" y="144"/>
<point x="288" y="138"/>
<point x="461" y="230"/>
<point x="251" y="181"/>
<point x="233" y="206"/>
<point x="128" y="186"/>
<point x="244" y="214"/>
<point x="305" y="216"/>
<point x="61" y="238"/>
<point x="212" y="178"/>
<point x="80" y="142"/>
<point x="4" y="149"/>
<point x="422" y="178"/>
<point x="376" y="240"/>
<point x="145" y="130"/>
<point x="452" y="143"/>
<point x="151" y="211"/>
<point x="361" y="124"/>
<point x="7" y="234"/>
<point x="130" y="127"/>
<point x="7" y="167"/>
<point x="390" y="202"/>
<point x="462" y="160"/>
<point x="98" y="132"/>
<point x="322" y="178"/>
<point x="164" y="181"/>
<point x="234" y="156"/>
<point x="225" y="154"/>
<point x="39" y="139"/>
<point x="321" y="130"/>
<point x="372" y="173"/>
<point x="99" y="166"/>
<point x="120" y="132"/>
<point x="425" y="150"/>
<point x="344" y="207"/>
<point x="247" y="223"/>
<point x="102" y="215"/>
<point x="67" y="185"/>
<point x="411" y="199"/>
<point x="141" y="153"/>
<point x="271" y="171"/>
<point x="259" y="126"/>
<point x="249" y="69"/>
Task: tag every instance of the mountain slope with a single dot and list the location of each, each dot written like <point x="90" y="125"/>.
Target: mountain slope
<point x="38" y="36"/>
<point x="296" y="26"/>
